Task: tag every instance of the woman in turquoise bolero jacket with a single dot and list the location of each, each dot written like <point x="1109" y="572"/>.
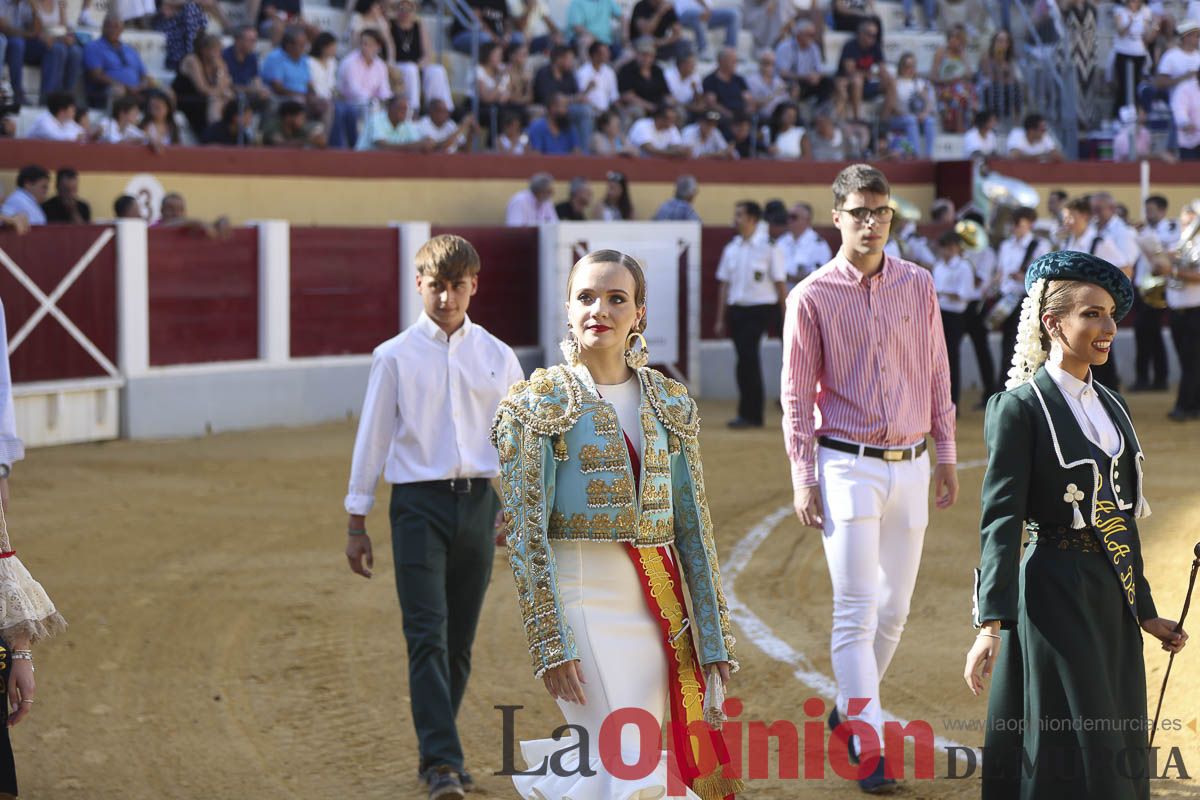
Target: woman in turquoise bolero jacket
<point x="1060" y="627"/>
<point x="607" y="521"/>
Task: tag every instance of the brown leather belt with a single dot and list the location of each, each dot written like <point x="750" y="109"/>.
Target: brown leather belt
<point x="885" y="453"/>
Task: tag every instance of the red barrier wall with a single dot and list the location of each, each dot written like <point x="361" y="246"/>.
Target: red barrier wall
<point x="46" y="255"/>
<point x="507" y="303"/>
<point x="345" y="296"/>
<point x="203" y="297"/>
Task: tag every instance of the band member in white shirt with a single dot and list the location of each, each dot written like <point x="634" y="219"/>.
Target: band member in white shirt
<point x="431" y="397"/>
<point x="1151" y="358"/>
<point x="809" y="248"/>
<point x="1016" y="253"/>
<point x="954" y="281"/>
<point x="752" y="289"/>
<point x="987" y="286"/>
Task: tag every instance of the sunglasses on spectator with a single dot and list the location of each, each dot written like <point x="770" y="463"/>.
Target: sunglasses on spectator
<point x="862" y="213"/>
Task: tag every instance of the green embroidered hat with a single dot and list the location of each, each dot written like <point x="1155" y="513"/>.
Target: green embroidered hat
<point x="1072" y="265"/>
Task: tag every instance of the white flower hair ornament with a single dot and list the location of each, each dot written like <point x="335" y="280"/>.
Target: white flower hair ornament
<point x="1029" y="354"/>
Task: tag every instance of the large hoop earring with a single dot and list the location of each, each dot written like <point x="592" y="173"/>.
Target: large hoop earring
<point x="636" y="359"/>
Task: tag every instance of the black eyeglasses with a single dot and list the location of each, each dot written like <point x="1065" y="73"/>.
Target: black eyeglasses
<point x="862" y="213"/>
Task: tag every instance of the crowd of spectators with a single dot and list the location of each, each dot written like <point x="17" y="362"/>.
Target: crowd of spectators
<point x="599" y="80"/>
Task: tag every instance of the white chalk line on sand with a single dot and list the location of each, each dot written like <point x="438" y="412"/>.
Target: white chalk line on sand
<point x="758" y="632"/>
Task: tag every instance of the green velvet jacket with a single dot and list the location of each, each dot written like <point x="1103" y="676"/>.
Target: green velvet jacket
<point x="1040" y="466"/>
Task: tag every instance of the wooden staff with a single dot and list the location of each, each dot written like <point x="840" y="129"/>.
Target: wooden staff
<point x="1187" y="601"/>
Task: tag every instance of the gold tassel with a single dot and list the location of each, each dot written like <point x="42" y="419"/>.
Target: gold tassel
<point x="560" y="448"/>
<point x="673" y="444"/>
<point x="716" y="786"/>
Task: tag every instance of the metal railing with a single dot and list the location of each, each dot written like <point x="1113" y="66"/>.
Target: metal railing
<point x="1051" y="83"/>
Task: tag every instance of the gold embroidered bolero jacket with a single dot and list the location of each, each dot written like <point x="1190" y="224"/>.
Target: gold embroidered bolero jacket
<point x="566" y="474"/>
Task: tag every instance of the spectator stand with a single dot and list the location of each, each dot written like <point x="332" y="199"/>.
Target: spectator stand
<point x="1051" y="87"/>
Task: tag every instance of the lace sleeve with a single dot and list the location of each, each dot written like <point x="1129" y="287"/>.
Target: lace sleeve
<point x="25" y="609"/>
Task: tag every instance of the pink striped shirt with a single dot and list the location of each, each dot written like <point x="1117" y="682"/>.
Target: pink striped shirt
<point x="869" y="356"/>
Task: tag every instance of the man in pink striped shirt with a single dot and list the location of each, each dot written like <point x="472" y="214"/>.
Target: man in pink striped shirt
<point x="864" y="350"/>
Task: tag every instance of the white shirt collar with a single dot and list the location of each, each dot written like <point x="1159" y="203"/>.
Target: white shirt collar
<point x="431" y="329"/>
<point x="1068" y="383"/>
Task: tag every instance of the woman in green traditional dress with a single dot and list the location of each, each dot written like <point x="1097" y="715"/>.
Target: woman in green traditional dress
<point x="1061" y="627"/>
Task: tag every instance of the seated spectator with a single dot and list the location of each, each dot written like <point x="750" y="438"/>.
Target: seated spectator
<point x="158" y="122"/>
<point x="390" y="129"/>
<point x="849" y="15"/>
<point x="291" y="127"/>
<point x="659" y="135"/>
<point x="999" y="78"/>
<point x="685" y="83"/>
<point x="558" y="77"/>
<point x="799" y="62"/>
<point x="496" y="25"/>
<point x="827" y="141"/>
<point x="609" y="139"/>
<point x="371" y="15"/>
<point x="520" y="79"/>
<point x="1181" y="62"/>
<point x="534" y="205"/>
<point x="363" y="76"/>
<point x="788" y="139"/>
<point x="616" y="205"/>
<point x="53" y="48"/>
<point x="767" y="89"/>
<point x="551" y="134"/>
<point x="1185" y="108"/>
<point x="513" y="140"/>
<point x="680" y="208"/>
<point x="537" y="27"/>
<point x="862" y="71"/>
<point x="323" y="65"/>
<point x="916" y="107"/>
<point x="930" y="8"/>
<point x="67" y="206"/>
<point x="594" y="20"/>
<point x="286" y="73"/>
<point x="57" y="122"/>
<point x="951" y="74"/>
<point x="980" y="140"/>
<point x="1033" y="141"/>
<point x="122" y="127"/>
<point x="641" y="83"/>
<point x="276" y="16"/>
<point x="579" y="197"/>
<point x="704" y="138"/>
<point x="234" y="128"/>
<point x="444" y="135"/>
<point x="112" y="67"/>
<point x="203" y="86"/>
<point x="657" y="20"/>
<point x="17" y="26"/>
<point x="424" y="78"/>
<point x="492" y="88"/>
<point x="173" y="214"/>
<point x="33" y="185"/>
<point x="182" y="21"/>
<point x="126" y="207"/>
<point x="741" y="135"/>
<point x="597" y="80"/>
<point x="241" y="59"/>
<point x="697" y="15"/>
<point x="1135" y="26"/>
<point x="1132" y="140"/>
<point x="726" y="91"/>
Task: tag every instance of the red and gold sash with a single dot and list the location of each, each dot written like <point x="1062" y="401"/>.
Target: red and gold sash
<point x="700" y="762"/>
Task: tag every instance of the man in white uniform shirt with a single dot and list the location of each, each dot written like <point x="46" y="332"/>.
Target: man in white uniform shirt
<point x="1183" y="298"/>
<point x="810" y="251"/>
<point x="1148" y="321"/>
<point x="1016" y="253"/>
<point x="431" y="397"/>
<point x="750" y="296"/>
<point x="1157" y="221"/>
<point x="1084" y="236"/>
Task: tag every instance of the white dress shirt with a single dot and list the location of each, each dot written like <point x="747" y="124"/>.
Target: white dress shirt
<point x="645" y="132"/>
<point x="1018" y="142"/>
<point x="974" y="142"/>
<point x="429" y="408"/>
<point x="1089" y="412"/>
<point x="525" y="210"/>
<point x="810" y="252"/>
<point x="49" y="128"/>
<point x="599" y="86"/>
<point x="986" y="280"/>
<point x="684" y="90"/>
<point x="1167" y="231"/>
<point x="751" y="267"/>
<point x="1011" y="259"/>
<point x="1105" y="249"/>
<point x="12" y="449"/>
<point x="954" y="281"/>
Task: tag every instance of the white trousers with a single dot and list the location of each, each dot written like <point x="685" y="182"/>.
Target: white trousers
<point x="432" y="80"/>
<point x="876" y="513"/>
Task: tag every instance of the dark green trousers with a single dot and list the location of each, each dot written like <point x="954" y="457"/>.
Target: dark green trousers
<point x="443" y="543"/>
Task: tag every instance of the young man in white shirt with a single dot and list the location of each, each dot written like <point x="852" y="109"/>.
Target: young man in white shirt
<point x="750" y="295"/>
<point x="1033" y="141"/>
<point x="980" y="140"/>
<point x="658" y="135"/>
<point x="954" y="281"/>
<point x="57" y="123"/>
<point x="597" y="80"/>
<point x="1016" y="253"/>
<point x="704" y="138"/>
<point x="430" y="401"/>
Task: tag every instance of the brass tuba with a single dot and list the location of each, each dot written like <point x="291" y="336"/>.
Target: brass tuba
<point x="974" y="235"/>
